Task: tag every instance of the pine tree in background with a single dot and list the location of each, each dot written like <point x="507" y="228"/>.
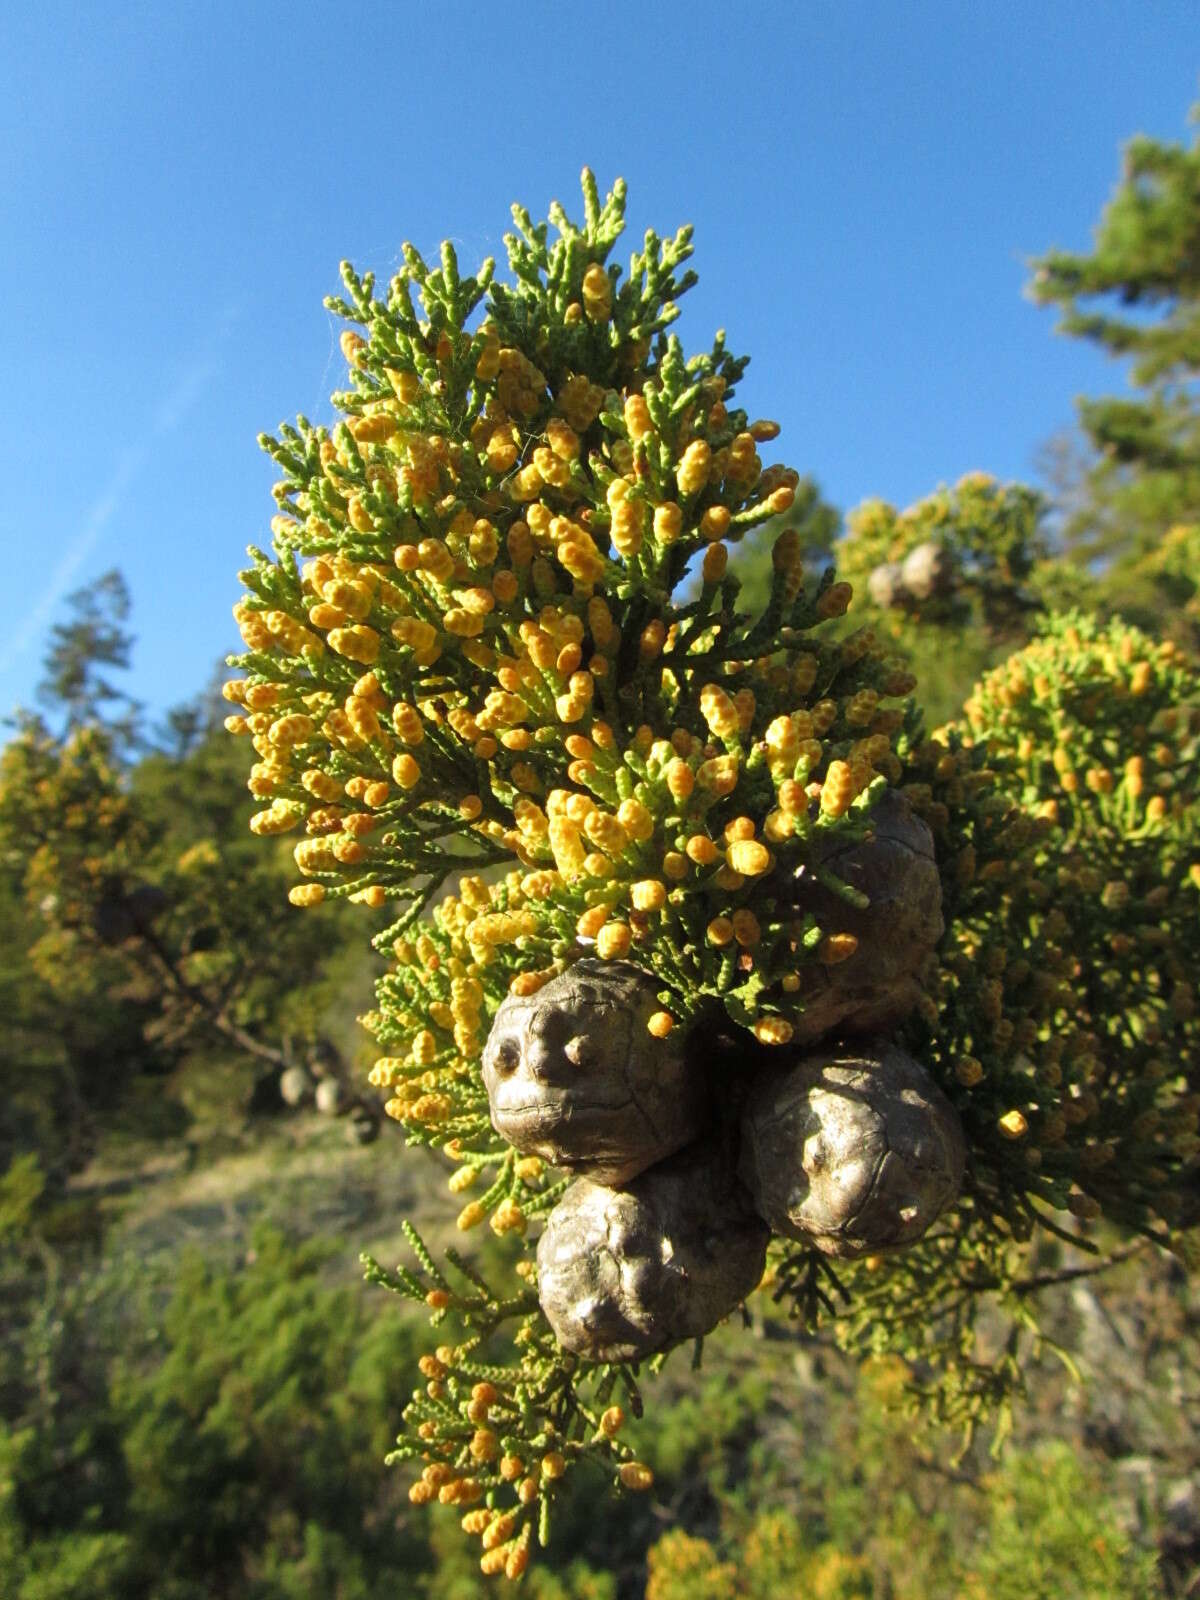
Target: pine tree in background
<point x="143" y="921"/>
<point x="1136" y="295"/>
<point x="92" y="641"/>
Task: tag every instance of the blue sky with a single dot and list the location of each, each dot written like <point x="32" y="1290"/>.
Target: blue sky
<point x="867" y="180"/>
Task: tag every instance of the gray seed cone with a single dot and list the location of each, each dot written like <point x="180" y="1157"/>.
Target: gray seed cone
<point x="330" y="1097"/>
<point x="854" y="1151"/>
<point x="928" y="570"/>
<point x="886" y="586"/>
<point x="625" y="1272"/>
<point x="573" y="1074"/>
<point x="295" y="1086"/>
<point x="876" y="987"/>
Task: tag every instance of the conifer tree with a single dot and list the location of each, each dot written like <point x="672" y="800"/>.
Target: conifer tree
<point x="147" y="920"/>
<point x="485" y="687"/>
<point x="92" y="639"/>
<point x="1136" y="295"/>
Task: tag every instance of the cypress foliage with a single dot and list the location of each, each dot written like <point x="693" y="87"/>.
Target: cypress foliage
<point x="499" y="682"/>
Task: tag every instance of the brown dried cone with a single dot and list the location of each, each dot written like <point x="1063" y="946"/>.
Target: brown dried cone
<point x="873" y="989"/>
<point x="574" y="1075"/>
<point x="854" y="1151"/>
<point x="625" y="1272"/>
